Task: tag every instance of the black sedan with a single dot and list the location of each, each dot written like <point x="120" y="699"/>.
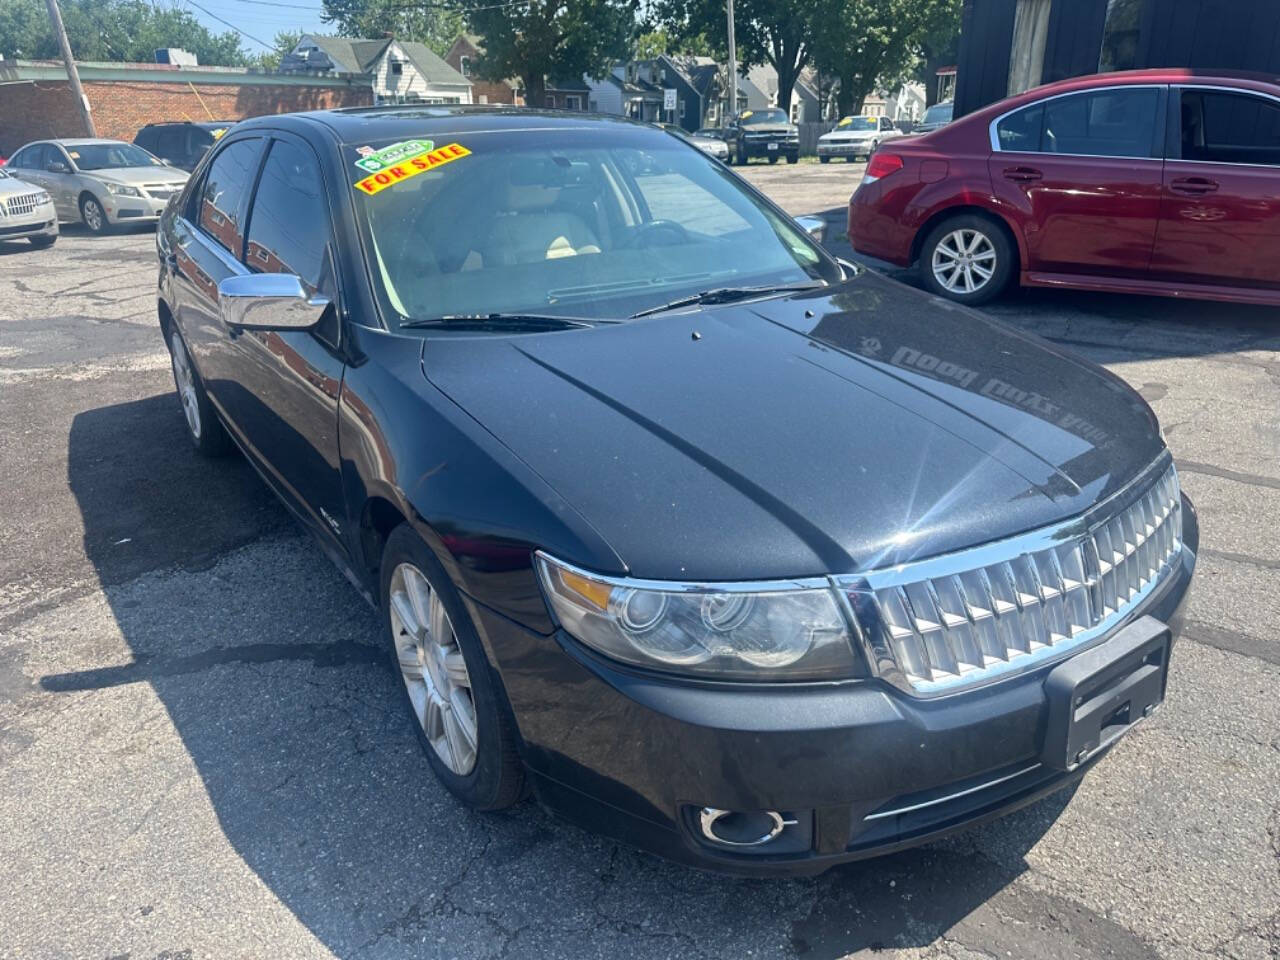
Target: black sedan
<point x="715" y="543"/>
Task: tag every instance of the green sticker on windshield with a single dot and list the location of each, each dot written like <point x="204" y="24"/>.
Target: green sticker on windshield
<point x="375" y="161"/>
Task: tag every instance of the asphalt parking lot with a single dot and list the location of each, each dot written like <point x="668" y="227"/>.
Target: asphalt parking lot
<point x="201" y="754"/>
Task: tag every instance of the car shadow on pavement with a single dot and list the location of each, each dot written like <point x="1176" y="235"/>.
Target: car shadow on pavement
<point x="269" y="666"/>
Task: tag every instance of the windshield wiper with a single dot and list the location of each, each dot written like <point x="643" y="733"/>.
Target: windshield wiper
<point x="507" y="321"/>
<point x="725" y="295"/>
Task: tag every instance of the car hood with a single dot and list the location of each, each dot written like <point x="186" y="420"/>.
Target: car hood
<point x="10" y="185"/>
<point x="846" y="430"/>
<point x="768" y="128"/>
<point x="138" y="175"/>
<point x="849" y="135"/>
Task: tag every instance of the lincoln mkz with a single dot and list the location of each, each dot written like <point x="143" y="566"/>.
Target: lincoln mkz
<point x="712" y="542"/>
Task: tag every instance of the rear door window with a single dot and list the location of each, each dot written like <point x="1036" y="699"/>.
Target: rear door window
<point x="1102" y="123"/>
<point x="225" y="189"/>
<point x="1222" y="127"/>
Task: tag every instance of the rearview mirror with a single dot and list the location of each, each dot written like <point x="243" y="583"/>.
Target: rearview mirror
<point x="815" y="227"/>
<point x="269" y="301"/>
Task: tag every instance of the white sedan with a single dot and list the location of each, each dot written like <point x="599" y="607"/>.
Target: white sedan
<point x="854" y="138"/>
<point x="26" y="211"/>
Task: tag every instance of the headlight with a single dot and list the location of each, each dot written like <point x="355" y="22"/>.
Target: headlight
<point x="789" y="630"/>
<point x="122" y="190"/>
<point x="42" y="197"/>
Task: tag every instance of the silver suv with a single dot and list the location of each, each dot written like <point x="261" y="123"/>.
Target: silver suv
<point x="102" y="182"/>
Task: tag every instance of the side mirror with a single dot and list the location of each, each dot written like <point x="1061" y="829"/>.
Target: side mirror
<point x="815" y="227"/>
<point x="269" y="301"/>
<point x="57" y="166"/>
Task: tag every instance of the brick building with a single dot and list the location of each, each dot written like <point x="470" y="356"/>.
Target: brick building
<point x="462" y="55"/>
<point x="36" y="100"/>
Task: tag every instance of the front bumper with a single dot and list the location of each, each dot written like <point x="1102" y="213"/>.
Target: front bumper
<point x="40" y="222"/>
<point x="762" y="148"/>
<point x="121" y="209"/>
<point x="854" y="149"/>
<point x="863" y="768"/>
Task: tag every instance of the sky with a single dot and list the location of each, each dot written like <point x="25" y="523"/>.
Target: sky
<point x="260" y="19"/>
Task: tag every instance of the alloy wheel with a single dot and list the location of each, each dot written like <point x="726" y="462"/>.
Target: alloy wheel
<point x="964" y="261"/>
<point x="94" y="218"/>
<point x="185" y="380"/>
<point x="433" y="669"/>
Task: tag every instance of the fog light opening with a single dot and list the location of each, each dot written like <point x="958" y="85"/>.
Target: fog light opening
<point x="732" y="828"/>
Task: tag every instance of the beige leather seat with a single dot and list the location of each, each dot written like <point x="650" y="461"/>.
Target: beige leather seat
<point x="529" y="230"/>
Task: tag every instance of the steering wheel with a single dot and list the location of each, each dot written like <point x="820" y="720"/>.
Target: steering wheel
<point x="652" y="233"/>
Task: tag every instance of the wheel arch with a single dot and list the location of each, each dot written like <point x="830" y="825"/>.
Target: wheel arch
<point x="969" y="209"/>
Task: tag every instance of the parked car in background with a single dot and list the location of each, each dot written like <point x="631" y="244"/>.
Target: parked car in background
<point x="711" y="139"/>
<point x="767" y="133"/>
<point x="936" y="117"/>
<point x="182" y="144"/>
<point x="26" y="210"/>
<point x="496" y="363"/>
<point x="855" y="138"/>
<point x="100" y="182"/>
<point x="1160" y="181"/>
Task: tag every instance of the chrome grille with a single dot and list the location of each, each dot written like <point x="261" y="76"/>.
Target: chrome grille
<point x="161" y="191"/>
<point x="959" y="620"/>
<point x="22" y="204"/>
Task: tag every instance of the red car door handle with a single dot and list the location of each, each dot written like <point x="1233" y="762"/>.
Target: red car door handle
<point x="1193" y="185"/>
<point x="1023" y="174"/>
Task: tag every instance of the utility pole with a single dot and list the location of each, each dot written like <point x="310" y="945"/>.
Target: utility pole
<point x="55" y="17"/>
<point x="733" y="65"/>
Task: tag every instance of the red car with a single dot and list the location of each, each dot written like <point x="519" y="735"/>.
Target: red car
<point x="1158" y="181"/>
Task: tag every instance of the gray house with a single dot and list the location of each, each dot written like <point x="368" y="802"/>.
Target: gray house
<point x="398" y="71"/>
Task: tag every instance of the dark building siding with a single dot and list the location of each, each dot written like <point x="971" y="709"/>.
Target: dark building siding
<point x="1205" y="34"/>
<point x="986" y="33"/>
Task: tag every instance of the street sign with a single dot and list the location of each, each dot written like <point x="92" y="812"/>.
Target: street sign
<point x="669" y="98"/>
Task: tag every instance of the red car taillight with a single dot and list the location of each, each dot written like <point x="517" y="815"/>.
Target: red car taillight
<point x="881" y="165"/>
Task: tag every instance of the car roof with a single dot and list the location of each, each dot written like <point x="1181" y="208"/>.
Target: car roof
<point x="1239" y="79"/>
<point x="357" y="125"/>
<point x="202" y="124"/>
<point x="82" y="141"/>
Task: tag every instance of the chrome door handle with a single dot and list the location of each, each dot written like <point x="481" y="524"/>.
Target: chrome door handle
<point x="1023" y="174"/>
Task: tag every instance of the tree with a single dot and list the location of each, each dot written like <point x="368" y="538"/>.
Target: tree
<point x="552" y="39"/>
<point x="868" y="42"/>
<point x="776" y="32"/>
<point x="119" y="30"/>
<point x="434" y="24"/>
<point x="284" y="42"/>
<point x="940" y="47"/>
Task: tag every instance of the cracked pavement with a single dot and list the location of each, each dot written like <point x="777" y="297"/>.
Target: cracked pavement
<point x="201" y="754"/>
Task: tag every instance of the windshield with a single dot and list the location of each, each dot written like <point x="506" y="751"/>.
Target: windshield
<point x="559" y="222"/>
<point x="858" y="123"/>
<point x="938" y="113"/>
<point x="110" y="156"/>
<point x="764" y="116"/>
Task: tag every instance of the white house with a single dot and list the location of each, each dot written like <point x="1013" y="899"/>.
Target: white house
<point x="399" y="71"/>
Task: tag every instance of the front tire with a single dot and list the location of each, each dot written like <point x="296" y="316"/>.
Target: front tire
<point x="204" y="429"/>
<point x="968" y="259"/>
<point x="459" y="711"/>
<point x="793" y="158"/>
<point x="824" y="159"/>
<point x="94" y="217"/>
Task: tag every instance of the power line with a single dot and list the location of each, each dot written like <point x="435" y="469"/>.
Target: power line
<point x="247" y="36"/>
<point x="418" y="5"/>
